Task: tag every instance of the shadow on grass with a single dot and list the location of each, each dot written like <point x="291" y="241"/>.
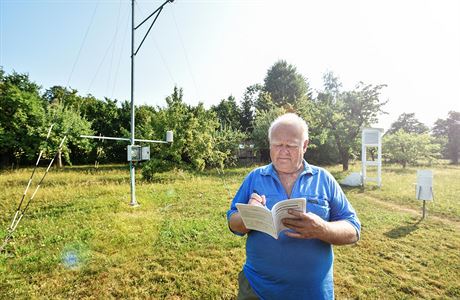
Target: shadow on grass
<point x="356" y="189"/>
<point x="91" y="169"/>
<point x="402" y="231"/>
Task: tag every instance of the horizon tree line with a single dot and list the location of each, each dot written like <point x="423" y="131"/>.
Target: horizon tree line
<point x="210" y="137"/>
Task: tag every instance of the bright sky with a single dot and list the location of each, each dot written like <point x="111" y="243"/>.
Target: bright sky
<point x="216" y="48"/>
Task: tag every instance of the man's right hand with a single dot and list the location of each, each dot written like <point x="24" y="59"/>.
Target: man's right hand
<point x="236" y="222"/>
<point x="256" y="199"/>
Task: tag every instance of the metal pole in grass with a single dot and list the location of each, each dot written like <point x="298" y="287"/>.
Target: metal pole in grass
<point x="424" y="209"/>
<point x="424" y="203"/>
<point x="137" y="153"/>
<point x="131" y="164"/>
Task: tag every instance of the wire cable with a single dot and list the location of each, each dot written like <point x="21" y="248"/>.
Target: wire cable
<point x="186" y="56"/>
<point x="83" y="42"/>
<point x="164" y="61"/>
<point x="119" y="57"/>
<point x="114" y="49"/>
<point x="102" y="62"/>
<point x="173" y="81"/>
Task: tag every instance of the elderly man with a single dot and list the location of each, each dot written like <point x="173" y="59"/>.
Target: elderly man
<point x="299" y="264"/>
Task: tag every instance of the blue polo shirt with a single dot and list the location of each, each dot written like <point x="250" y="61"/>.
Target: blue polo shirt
<point x="289" y="268"/>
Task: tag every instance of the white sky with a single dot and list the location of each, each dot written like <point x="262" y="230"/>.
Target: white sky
<point x="213" y="49"/>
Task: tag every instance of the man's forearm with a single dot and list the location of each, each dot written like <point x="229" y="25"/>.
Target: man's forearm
<point x="340" y="233"/>
<point x="236" y="223"/>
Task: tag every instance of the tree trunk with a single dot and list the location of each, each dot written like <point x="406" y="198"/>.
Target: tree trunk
<point x="265" y="155"/>
<point x="345" y="158"/>
<point x="4" y="160"/>
<point x="59" y="159"/>
<point x="455" y="157"/>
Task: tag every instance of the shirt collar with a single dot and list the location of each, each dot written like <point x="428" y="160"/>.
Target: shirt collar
<point x="270" y="170"/>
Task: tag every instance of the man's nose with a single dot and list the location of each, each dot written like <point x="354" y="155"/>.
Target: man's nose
<point x="285" y="148"/>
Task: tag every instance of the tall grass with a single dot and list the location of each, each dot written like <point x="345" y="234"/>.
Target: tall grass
<point x="81" y="239"/>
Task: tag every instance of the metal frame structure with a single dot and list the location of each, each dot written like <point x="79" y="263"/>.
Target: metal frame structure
<point x="132" y="139"/>
<point x="371" y="137"/>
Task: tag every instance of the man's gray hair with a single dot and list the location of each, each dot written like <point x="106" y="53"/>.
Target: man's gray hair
<point x="290" y="119"/>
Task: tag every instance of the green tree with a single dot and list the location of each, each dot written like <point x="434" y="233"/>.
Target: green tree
<point x="453" y="136"/>
<point x="22" y="82"/>
<point x="247" y="107"/>
<point x="193" y="129"/>
<point x="448" y="131"/>
<point x="66" y="97"/>
<point x="67" y="122"/>
<point x="285" y="84"/>
<point x="344" y="114"/>
<point x="262" y="123"/>
<point x="225" y="144"/>
<point x="409" y="148"/>
<point x="264" y="102"/>
<point x="145" y="117"/>
<point x="107" y="119"/>
<point x="408" y="123"/>
<point x="228" y="113"/>
<point x="440" y="133"/>
<point x="22" y="119"/>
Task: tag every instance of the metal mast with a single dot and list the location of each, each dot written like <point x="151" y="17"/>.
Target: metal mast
<point x="133" y="54"/>
<point x="132" y="169"/>
<point x="132" y="148"/>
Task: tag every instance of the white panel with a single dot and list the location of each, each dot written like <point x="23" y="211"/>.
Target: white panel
<point x="371" y="137"/>
<point x="145" y="155"/>
<point x="424" y="186"/>
<point x="169" y="136"/>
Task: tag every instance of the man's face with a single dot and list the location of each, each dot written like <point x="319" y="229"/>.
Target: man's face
<point x="287" y="148"/>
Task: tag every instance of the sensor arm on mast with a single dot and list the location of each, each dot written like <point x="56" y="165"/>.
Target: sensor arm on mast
<point x="169" y="138"/>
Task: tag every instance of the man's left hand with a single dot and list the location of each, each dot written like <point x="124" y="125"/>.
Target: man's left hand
<point x="305" y="225"/>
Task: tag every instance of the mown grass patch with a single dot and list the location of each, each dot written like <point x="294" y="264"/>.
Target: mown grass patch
<point x="81" y="239"/>
<point x="398" y="187"/>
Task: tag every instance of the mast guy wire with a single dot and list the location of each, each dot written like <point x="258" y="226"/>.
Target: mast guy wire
<point x="20" y="213"/>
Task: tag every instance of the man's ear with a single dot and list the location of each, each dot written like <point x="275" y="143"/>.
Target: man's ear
<point x="305" y="146"/>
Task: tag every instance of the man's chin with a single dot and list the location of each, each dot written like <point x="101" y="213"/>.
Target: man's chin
<point x="284" y="160"/>
<point x="283" y="165"/>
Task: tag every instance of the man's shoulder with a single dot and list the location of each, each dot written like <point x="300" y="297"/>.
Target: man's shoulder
<point x="319" y="171"/>
<point x="262" y="170"/>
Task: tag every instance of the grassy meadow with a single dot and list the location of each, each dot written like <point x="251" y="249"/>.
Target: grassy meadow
<point x="81" y="239"/>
